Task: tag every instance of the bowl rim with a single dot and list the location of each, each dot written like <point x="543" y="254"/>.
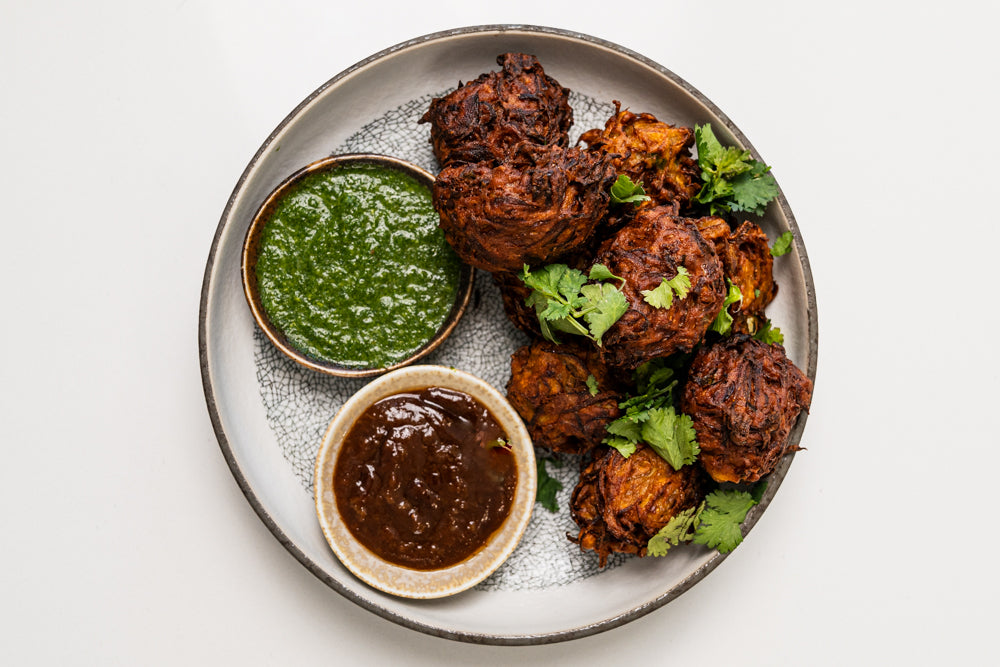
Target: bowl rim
<point x="251" y="248"/>
<point x="408" y="582"/>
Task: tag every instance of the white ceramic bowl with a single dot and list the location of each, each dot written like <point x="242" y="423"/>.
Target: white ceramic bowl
<point x="403" y="581"/>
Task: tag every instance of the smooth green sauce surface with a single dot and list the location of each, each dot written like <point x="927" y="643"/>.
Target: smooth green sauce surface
<point x="353" y="268"/>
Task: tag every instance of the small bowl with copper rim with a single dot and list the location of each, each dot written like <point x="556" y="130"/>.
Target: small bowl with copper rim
<point x="346" y="271"/>
<point x="424" y="517"/>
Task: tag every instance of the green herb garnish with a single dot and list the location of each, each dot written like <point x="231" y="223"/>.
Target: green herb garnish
<point x="652" y="417"/>
<point x="733" y="181"/>
<point x="770" y="334"/>
<point x="782" y="245"/>
<point x="624" y="191"/>
<point x="715" y="523"/>
<point x="679" y="529"/>
<point x="592" y="385"/>
<point x="564" y="300"/>
<point x="663" y="296"/>
<point x="547" y="486"/>
<point x="719" y="522"/>
<point x="723" y="322"/>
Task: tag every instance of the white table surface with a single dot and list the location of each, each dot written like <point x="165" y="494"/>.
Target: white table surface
<point x="124" y="128"/>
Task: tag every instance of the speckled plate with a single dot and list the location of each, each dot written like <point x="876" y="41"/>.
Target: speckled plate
<point x="270" y="414"/>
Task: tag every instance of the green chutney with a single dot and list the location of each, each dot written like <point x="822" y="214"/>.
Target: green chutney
<point x="353" y="268"/>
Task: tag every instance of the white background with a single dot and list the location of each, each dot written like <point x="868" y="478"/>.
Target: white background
<point x="123" y="129"/>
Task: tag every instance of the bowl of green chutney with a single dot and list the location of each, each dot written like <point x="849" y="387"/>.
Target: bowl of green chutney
<point x="346" y="270"/>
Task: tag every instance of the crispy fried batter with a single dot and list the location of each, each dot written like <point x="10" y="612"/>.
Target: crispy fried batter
<point x="747" y="262"/>
<point x="748" y="265"/>
<point x="619" y="503"/>
<point x="648" y="150"/>
<point x="716" y="231"/>
<point x="645" y="252"/>
<point x="743" y="396"/>
<point x="501" y="218"/>
<point x="548" y="388"/>
<point x="485" y="119"/>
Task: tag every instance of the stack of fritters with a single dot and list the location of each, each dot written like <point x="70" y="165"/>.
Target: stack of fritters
<point x="512" y="194"/>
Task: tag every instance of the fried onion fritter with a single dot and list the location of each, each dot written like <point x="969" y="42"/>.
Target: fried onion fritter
<point x="648" y="250"/>
<point x="546" y="205"/>
<point x="486" y="119"/>
<point x="548" y="388"/>
<point x="744" y="397"/>
<point x="620" y="503"/>
<point x="748" y="264"/>
<point x="653" y="152"/>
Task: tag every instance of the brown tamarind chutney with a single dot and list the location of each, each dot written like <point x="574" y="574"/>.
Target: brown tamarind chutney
<point x="425" y="477"/>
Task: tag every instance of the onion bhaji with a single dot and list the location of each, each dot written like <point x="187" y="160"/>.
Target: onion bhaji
<point x="485" y="119"/>
<point x="748" y="263"/>
<point x="548" y="388"/>
<point x="645" y="252"/>
<point x="620" y="503"/>
<point x="648" y="150"/>
<point x="744" y="397"/>
<point x="499" y="218"/>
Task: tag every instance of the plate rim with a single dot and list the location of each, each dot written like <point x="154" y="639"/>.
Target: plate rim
<point x="812" y="335"/>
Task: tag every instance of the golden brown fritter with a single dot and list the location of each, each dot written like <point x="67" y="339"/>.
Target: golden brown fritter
<point x="548" y="388"/>
<point x="716" y="231"/>
<point x="485" y="119"/>
<point x="744" y="397"/>
<point x="651" y="151"/>
<point x="645" y="252"/>
<point x="500" y="218"/>
<point x="620" y="503"/>
<point x="748" y="265"/>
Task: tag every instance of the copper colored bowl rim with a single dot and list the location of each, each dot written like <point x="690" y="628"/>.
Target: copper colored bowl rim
<point x="251" y="247"/>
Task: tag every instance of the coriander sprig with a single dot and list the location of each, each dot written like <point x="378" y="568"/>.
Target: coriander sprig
<point x="715" y="522"/>
<point x="624" y="191"/>
<point x="732" y="180"/>
<point x="652" y="417"/>
<point x="568" y="301"/>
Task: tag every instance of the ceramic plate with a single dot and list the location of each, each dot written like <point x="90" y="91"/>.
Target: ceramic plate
<point x="270" y="415"/>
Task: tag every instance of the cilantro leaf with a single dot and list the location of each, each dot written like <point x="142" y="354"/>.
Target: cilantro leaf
<point x="770" y="334"/>
<point x="562" y="297"/>
<point x="601" y="272"/>
<point x="624" y="191"/>
<point x="547" y="487"/>
<point x="663" y="295"/>
<point x="723" y="322"/>
<point x="608" y="304"/>
<point x="678" y="529"/>
<point x="624" y="446"/>
<point x="626" y="429"/>
<point x="782" y="245"/>
<point x="671" y="435"/>
<point x="719" y="525"/>
<point x="592" y="385"/>
<point x="753" y="189"/>
<point x="731" y="179"/>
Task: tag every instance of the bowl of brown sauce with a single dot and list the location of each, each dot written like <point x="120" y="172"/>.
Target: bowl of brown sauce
<point x="425" y="481"/>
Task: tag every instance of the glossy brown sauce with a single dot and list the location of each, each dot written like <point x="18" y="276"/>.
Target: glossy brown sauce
<point x="420" y="480"/>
